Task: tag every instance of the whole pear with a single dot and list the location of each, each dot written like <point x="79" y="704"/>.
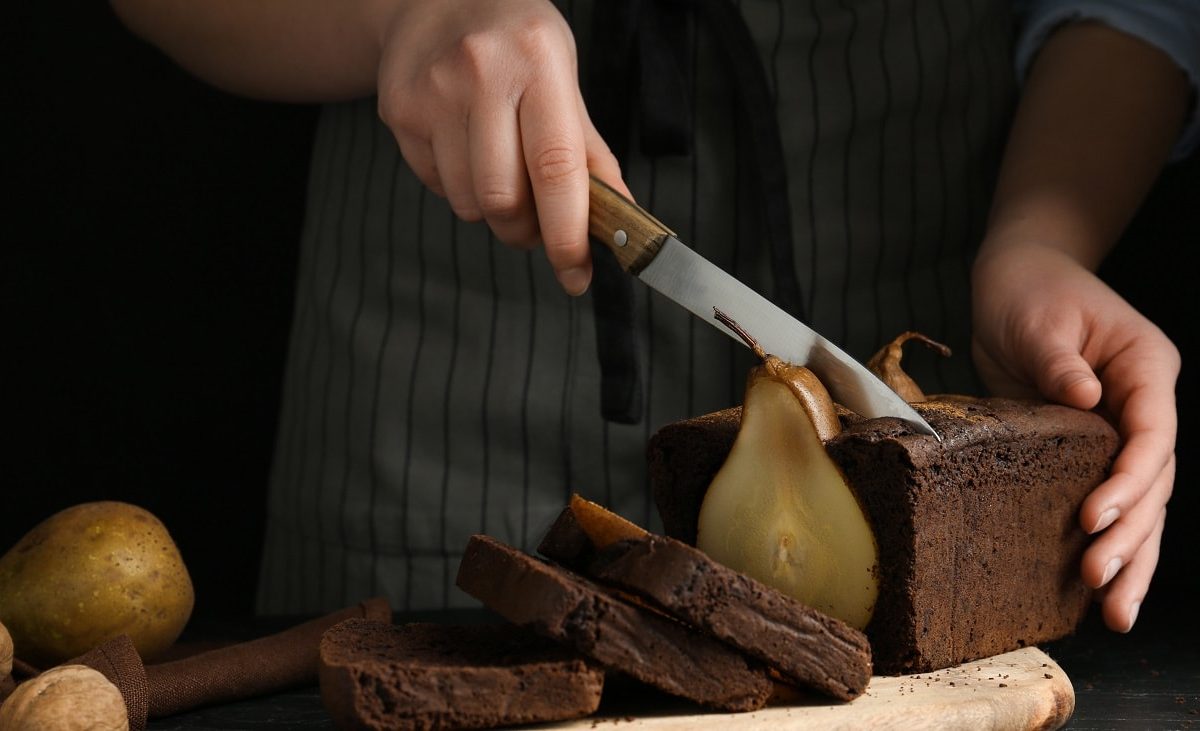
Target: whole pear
<point x="89" y="573"/>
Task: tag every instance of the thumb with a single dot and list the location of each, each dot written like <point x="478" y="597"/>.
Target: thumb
<point x="1065" y="377"/>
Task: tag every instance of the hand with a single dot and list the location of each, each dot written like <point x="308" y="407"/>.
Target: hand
<point x="1046" y="325"/>
<point x="484" y="102"/>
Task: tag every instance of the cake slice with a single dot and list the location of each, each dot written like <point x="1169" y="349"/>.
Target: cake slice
<point x="643" y="644"/>
<point x="433" y="676"/>
<point x="806" y="647"/>
<point x="978" y="538"/>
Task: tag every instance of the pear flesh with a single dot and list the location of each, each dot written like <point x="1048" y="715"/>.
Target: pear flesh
<point x="780" y="510"/>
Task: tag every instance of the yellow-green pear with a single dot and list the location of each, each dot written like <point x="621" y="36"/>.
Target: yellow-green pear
<point x="89" y="573"/>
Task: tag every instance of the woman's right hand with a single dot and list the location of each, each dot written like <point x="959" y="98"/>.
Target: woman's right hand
<point x="484" y="102"/>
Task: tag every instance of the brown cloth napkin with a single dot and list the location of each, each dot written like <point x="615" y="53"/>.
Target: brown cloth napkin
<point x="266" y="665"/>
<point x="283" y="660"/>
<point x="119" y="661"/>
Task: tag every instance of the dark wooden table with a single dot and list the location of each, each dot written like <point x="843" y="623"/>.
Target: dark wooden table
<point x="1148" y="679"/>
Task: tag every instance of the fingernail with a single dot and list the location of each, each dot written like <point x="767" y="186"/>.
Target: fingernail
<point x="1111" y="569"/>
<point x="1106" y="519"/>
<point x="574" y="281"/>
<point x="1133" y="612"/>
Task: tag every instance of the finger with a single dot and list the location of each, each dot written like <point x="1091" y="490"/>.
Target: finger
<point x="1116" y="547"/>
<point x="1063" y="376"/>
<point x="454" y="166"/>
<point x="419" y="155"/>
<point x="1142" y="461"/>
<point x="1124" y="596"/>
<point x="553" y="144"/>
<point x="1148" y="427"/>
<point x="501" y="184"/>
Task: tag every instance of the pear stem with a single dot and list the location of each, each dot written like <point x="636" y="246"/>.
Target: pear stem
<point x="939" y="348"/>
<point x="750" y="342"/>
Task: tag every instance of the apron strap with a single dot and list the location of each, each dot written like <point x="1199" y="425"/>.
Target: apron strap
<point x="641" y="50"/>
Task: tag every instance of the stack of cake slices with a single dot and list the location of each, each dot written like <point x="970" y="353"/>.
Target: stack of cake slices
<point x="605" y="596"/>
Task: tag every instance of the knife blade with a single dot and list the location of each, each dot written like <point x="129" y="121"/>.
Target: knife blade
<point x="650" y="251"/>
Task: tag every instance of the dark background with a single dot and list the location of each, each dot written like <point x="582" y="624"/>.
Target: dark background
<point x="149" y="246"/>
<point x="149" y="241"/>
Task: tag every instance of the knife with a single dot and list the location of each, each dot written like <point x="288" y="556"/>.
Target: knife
<point x="647" y="249"/>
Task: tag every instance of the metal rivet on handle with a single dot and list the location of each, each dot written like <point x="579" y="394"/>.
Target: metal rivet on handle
<point x="620" y="238"/>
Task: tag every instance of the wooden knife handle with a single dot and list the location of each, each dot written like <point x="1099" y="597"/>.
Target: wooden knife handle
<point x="620" y="224"/>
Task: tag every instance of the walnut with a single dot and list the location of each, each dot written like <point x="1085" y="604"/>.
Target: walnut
<point x="6" y="652"/>
<point x="68" y="698"/>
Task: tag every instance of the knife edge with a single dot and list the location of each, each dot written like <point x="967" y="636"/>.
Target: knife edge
<point x="682" y="275"/>
<point x="646" y="248"/>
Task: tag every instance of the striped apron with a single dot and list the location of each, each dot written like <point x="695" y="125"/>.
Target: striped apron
<point x="439" y="384"/>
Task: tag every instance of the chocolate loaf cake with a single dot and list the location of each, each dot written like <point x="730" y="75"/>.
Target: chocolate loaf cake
<point x="651" y="648"/>
<point x="808" y="648"/>
<point x="431" y="676"/>
<point x="978" y="539"/>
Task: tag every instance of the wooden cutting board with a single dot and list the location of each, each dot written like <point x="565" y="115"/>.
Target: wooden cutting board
<point x="1015" y="691"/>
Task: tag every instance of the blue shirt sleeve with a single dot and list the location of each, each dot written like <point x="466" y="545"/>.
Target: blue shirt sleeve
<point x="1173" y="26"/>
